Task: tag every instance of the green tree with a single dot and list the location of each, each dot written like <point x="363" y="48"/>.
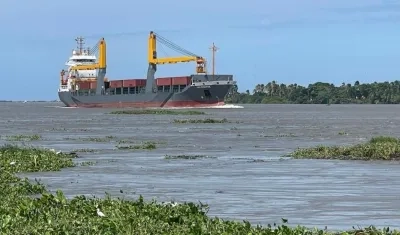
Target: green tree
<point x="319" y="93"/>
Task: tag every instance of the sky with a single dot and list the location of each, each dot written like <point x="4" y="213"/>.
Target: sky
<point x="289" y="41"/>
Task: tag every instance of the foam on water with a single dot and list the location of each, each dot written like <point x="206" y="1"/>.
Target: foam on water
<point x="60" y="107"/>
<point x="225" y="106"/>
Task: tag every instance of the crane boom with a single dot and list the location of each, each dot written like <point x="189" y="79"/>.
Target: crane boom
<point x="153" y="59"/>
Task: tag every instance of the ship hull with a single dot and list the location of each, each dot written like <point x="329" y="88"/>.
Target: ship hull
<point x="191" y="96"/>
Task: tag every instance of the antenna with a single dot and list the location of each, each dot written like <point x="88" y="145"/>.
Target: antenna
<point x="79" y="41"/>
<point x="213" y="49"/>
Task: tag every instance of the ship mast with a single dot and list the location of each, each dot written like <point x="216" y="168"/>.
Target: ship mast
<point x="79" y="41"/>
<point x="213" y="49"/>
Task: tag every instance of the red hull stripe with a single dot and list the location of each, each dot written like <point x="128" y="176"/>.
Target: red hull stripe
<point x="149" y="104"/>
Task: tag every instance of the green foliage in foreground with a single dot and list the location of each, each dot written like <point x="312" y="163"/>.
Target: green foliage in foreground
<point x="378" y="148"/>
<point x="46" y="213"/>
<point x="158" y="112"/>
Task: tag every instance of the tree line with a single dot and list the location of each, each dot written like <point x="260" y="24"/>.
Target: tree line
<point x="319" y="93"/>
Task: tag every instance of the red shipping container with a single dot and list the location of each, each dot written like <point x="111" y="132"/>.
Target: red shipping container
<point x="116" y="83"/>
<point x="180" y="80"/>
<point x="142" y="82"/>
<point x="134" y="82"/>
<point x="83" y="85"/>
<point x="130" y="83"/>
<point x="93" y="85"/>
<point x="163" y="81"/>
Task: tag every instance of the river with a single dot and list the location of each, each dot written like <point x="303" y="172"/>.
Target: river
<point x="244" y="178"/>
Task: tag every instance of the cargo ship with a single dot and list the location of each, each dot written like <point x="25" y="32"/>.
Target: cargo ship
<point x="84" y="84"/>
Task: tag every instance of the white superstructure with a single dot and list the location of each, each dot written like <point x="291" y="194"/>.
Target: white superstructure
<point x="79" y="56"/>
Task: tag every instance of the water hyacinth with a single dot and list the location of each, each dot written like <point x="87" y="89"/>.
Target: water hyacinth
<point x="198" y="121"/>
<point x="28" y="208"/>
<point x="378" y="148"/>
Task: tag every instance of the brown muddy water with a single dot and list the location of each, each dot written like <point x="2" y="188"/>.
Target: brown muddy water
<point x="233" y="181"/>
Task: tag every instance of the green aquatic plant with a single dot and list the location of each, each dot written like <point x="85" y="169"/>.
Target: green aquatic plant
<point x="93" y="139"/>
<point x="145" y="145"/>
<point x="378" y="148"/>
<point x="158" y="112"/>
<point x="342" y="133"/>
<point x="29" y="208"/>
<point x="25" y="159"/>
<point x="187" y="157"/>
<point x="33" y="137"/>
<point x="384" y="139"/>
<point x="196" y="121"/>
<point x="85" y="150"/>
<point x="280" y="135"/>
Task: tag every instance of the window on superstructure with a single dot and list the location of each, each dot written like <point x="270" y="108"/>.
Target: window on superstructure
<point x="84" y="60"/>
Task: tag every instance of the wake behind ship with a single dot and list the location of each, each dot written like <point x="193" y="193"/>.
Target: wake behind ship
<point x="84" y="84"/>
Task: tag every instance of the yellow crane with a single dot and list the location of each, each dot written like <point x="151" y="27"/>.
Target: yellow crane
<point x="102" y="58"/>
<point x="189" y="56"/>
<point x="100" y="65"/>
<point x="154" y="60"/>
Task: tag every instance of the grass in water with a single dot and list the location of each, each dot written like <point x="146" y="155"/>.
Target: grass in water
<point x="23" y="137"/>
<point x="144" y="145"/>
<point x="49" y="213"/>
<point x="158" y="112"/>
<point x="93" y="139"/>
<point x="186" y="157"/>
<point x="378" y="148"/>
<point x="84" y="150"/>
<point x="207" y="120"/>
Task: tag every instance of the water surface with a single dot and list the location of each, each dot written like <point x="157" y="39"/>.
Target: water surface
<point x="337" y="194"/>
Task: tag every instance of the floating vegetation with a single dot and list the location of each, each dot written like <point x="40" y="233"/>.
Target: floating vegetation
<point x="27" y="159"/>
<point x="98" y="139"/>
<point x="186" y="157"/>
<point x="34" y="137"/>
<point x="207" y="120"/>
<point x="378" y="148"/>
<point x="145" y="145"/>
<point x="342" y="133"/>
<point x="280" y="135"/>
<point x="84" y="150"/>
<point x="87" y="163"/>
<point x="249" y="159"/>
<point x="126" y="141"/>
<point x="93" y="139"/>
<point x="48" y="213"/>
<point x="58" y="129"/>
<point x="158" y="112"/>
